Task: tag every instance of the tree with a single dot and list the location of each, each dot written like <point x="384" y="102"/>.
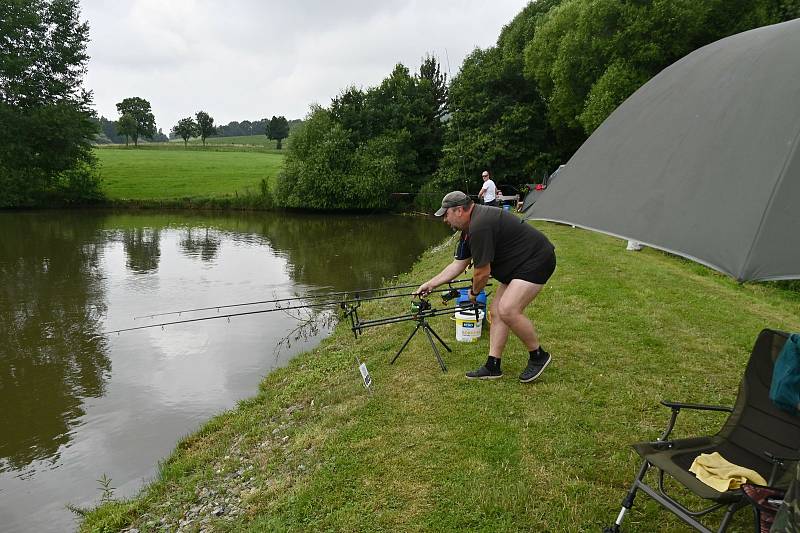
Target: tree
<point x="498" y="121"/>
<point x="127" y="126"/>
<point x="205" y="126"/>
<point x="45" y="118"/>
<point x="160" y="137"/>
<point x="368" y="144"/>
<point x="588" y="56"/>
<point x="429" y="70"/>
<point x="108" y="131"/>
<point x="259" y="127"/>
<point x="277" y="129"/>
<point x="186" y="128"/>
<point x="139" y="109"/>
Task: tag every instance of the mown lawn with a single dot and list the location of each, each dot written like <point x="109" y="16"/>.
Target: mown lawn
<point x="431" y="451"/>
<point x="147" y="174"/>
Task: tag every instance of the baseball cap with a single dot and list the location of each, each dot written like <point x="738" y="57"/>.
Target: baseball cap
<point x="453" y="199"/>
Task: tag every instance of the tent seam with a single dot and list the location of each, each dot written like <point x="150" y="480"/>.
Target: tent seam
<point x="771" y="200"/>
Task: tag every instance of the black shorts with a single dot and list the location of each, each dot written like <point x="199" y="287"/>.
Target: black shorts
<point x="538" y="273"/>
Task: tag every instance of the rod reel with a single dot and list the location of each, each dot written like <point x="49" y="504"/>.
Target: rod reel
<point x="420" y="306"/>
<point x="351" y="310"/>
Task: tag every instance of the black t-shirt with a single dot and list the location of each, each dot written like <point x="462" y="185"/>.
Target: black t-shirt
<point x="505" y="241"/>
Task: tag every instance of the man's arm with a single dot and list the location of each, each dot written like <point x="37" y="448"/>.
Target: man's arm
<point x="450" y="272"/>
<point x="480" y="277"/>
<point x="482" y="191"/>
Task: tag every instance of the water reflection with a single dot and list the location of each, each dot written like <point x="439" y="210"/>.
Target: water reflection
<point x="75" y="405"/>
<point x="142" y="249"/>
<point x="322" y="249"/>
<point x="200" y="242"/>
<point x="51" y="353"/>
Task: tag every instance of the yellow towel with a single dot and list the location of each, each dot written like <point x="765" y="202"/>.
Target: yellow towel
<point x="721" y="475"/>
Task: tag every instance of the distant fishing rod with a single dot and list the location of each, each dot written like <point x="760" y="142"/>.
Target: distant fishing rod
<point x="306" y="297"/>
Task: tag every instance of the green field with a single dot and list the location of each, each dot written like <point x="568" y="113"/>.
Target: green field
<point x="432" y="451"/>
<point x="164" y="174"/>
<point x="255" y="140"/>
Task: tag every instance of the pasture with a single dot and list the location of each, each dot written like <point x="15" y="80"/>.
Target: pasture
<point x="167" y="174"/>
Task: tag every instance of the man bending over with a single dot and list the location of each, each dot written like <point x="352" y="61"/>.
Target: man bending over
<point x="519" y="257"/>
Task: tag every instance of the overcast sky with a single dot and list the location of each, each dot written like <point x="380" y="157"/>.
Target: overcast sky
<point x="249" y="59"/>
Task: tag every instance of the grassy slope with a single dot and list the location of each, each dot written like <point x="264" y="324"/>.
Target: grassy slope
<point x="433" y="451"/>
<point x="166" y="174"/>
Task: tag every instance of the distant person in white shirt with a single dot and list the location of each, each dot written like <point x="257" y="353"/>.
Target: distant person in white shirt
<point x="489" y="190"/>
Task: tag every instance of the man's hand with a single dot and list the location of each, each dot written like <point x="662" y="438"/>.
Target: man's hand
<point x="479" y="278"/>
<point x="424" y="289"/>
<point x="450" y="272"/>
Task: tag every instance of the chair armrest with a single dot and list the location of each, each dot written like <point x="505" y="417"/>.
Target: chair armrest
<point x="676" y="408"/>
<point x="775" y="459"/>
<point x="698" y="406"/>
<point x="778" y="462"/>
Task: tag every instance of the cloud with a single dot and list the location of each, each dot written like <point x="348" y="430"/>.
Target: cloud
<point x="246" y="59"/>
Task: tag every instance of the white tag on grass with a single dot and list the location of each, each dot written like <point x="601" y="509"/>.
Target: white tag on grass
<point x="365" y="375"/>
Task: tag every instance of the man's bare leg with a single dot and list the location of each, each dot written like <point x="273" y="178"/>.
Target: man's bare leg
<point x="498" y="330"/>
<point x="508" y="312"/>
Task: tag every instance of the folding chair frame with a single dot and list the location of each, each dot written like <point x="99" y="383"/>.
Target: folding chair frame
<point x="733" y="501"/>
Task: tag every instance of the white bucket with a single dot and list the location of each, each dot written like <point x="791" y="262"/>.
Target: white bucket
<point x="468" y="326"/>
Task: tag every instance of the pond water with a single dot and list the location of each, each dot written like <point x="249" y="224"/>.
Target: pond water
<point x="78" y="404"/>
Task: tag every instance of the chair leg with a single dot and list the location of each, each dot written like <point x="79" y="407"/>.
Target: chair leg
<point x="726" y="520"/>
<point x="627" y="503"/>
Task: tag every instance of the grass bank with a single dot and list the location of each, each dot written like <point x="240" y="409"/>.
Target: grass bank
<point x="144" y="176"/>
<point x="431" y="451"/>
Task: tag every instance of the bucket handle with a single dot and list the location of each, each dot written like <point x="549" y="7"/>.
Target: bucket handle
<point x="453" y="318"/>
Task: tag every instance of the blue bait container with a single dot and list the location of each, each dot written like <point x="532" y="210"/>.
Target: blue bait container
<point x="463" y="298"/>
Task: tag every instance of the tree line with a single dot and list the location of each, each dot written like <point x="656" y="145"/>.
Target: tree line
<point x="137" y="120"/>
<point x="45" y="126"/>
<point x="368" y="143"/>
<point x="518" y="108"/>
<point x="202" y="125"/>
<point x="247" y="127"/>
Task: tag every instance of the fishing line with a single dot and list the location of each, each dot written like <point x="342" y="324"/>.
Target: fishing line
<point x="306" y="297"/>
<point x="458" y="130"/>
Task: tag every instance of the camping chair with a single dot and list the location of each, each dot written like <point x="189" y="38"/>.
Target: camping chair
<point x="756" y="435"/>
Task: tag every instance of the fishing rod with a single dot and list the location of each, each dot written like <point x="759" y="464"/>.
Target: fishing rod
<point x="405" y="318"/>
<point x="341" y="303"/>
<point x="420" y="308"/>
<point x="289" y="299"/>
<point x="228" y="316"/>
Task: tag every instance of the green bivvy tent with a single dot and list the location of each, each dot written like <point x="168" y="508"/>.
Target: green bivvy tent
<point x="702" y="161"/>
